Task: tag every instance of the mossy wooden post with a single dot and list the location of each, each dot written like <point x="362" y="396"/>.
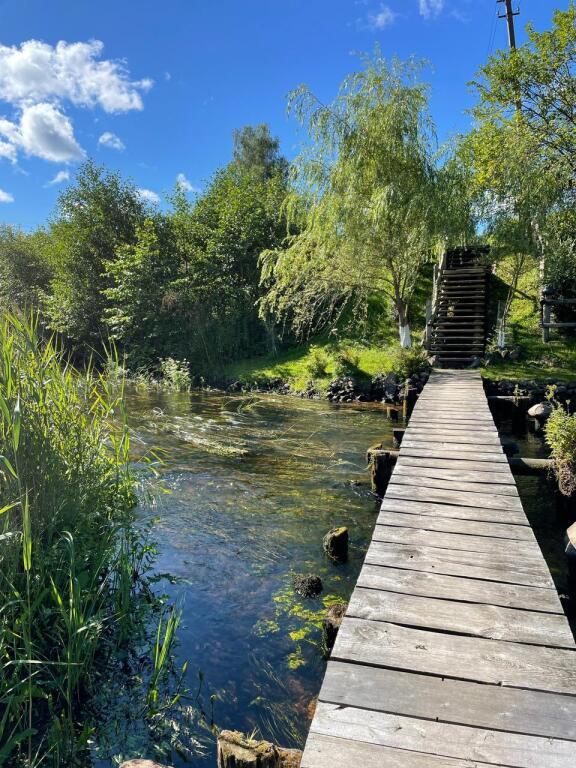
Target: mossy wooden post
<point x="236" y="750"/>
<point x="381" y="463"/>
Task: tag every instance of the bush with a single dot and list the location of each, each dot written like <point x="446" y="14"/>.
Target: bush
<point x="317" y="363"/>
<point x="70" y="560"/>
<point x="175" y="374"/>
<point x="560" y="434"/>
<point x="347" y="360"/>
<point x="406" y="362"/>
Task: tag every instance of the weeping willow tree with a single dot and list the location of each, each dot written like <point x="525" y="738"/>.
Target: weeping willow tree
<point x="369" y="201"/>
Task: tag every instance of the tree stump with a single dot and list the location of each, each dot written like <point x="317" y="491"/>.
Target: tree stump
<point x="336" y="544"/>
<point x="236" y="750"/>
<point x="331" y="625"/>
<point x="138" y="763"/>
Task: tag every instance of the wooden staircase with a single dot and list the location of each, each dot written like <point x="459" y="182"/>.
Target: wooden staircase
<point x="457" y="332"/>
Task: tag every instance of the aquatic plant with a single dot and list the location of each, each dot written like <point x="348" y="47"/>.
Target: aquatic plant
<point x="560" y="434"/>
<point x="71" y="562"/>
<point x="175" y="374"/>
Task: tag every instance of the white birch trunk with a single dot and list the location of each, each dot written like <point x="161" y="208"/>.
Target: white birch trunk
<point x="405" y="337"/>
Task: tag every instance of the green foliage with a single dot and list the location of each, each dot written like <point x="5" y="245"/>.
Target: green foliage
<point x="139" y="275"/>
<point x="368" y="200"/>
<point x="175" y="374"/>
<point x="560" y="433"/>
<point x="318" y="362"/>
<point x="346" y="361"/>
<point x="96" y="216"/>
<point x="406" y="362"/>
<point x="527" y="105"/>
<point x="24" y="271"/>
<point x="256" y="151"/>
<point x="70" y="561"/>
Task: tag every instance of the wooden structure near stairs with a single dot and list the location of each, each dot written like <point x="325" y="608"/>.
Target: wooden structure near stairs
<point x="454" y="651"/>
<point x="456" y="323"/>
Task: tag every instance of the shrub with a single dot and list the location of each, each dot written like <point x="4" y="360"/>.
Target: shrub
<point x="175" y="374"/>
<point x="406" y="362"/>
<point x="560" y="434"/>
<point x="317" y="363"/>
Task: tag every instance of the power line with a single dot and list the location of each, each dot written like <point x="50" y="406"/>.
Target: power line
<point x="492" y="31"/>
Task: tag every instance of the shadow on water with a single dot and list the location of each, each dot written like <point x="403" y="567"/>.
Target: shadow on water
<point x="255" y="484"/>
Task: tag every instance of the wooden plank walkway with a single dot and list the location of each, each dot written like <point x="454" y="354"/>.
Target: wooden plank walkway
<point x="454" y="651"/>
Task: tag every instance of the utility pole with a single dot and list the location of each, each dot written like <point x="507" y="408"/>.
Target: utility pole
<point x="509" y="16"/>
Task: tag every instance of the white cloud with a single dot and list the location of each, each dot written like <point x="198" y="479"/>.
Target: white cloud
<point x="59" y="178"/>
<point x="36" y="71"/>
<point x="37" y="79"/>
<point x="186" y="185"/>
<point x="382" y="19"/>
<point x="6" y="197"/>
<point x="431" y="8"/>
<point x="148" y="196"/>
<point x="47" y="133"/>
<point x="109" y="139"/>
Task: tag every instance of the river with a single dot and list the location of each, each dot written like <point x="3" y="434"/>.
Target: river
<point x="255" y="482"/>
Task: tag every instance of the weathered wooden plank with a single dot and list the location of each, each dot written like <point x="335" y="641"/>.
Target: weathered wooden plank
<point x="455" y="541"/>
<point x="436" y="451"/>
<point x="492" y="566"/>
<point x="472" y="481"/>
<point x="459" y="588"/>
<point x="454" y="525"/>
<point x="494" y="453"/>
<point x="452" y="510"/>
<point x="439" y="435"/>
<point x="455" y="426"/>
<point x="451" y="701"/>
<point x="445" y="739"/>
<point x="478" y="620"/>
<point x="433" y="461"/>
<point x="419" y="491"/>
<point x="335" y="752"/>
<point x="513" y="665"/>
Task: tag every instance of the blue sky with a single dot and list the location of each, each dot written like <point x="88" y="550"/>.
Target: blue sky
<point x="154" y="89"/>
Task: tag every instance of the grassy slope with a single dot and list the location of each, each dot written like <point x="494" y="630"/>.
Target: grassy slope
<point x="295" y="366"/>
<point x="539" y="361"/>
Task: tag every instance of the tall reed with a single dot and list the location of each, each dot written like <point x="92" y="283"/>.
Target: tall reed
<point x="69" y="557"/>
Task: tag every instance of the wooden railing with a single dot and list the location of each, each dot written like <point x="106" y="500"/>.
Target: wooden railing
<point x="431" y="304"/>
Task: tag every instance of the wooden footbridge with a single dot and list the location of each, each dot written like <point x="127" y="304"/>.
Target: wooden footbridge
<point x="455" y="651"/>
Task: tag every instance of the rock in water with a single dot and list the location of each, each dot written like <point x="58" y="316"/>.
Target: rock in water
<point x="236" y="750"/>
<point x="541" y="410"/>
<point x="336" y="543"/>
<point x="307" y="584"/>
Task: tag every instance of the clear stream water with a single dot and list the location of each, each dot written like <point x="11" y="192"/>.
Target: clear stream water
<point x="255" y="484"/>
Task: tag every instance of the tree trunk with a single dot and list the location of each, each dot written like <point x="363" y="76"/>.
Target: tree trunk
<point x="403" y="325"/>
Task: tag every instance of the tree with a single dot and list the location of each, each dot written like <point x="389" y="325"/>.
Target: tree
<point x="255" y="150"/>
<point x="139" y="277"/>
<point x="95" y="216"/>
<point x="523" y="147"/>
<point x="536" y="85"/>
<point x="24" y="270"/>
<point x="368" y="200"/>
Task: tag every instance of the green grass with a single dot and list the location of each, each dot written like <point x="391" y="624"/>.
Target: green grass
<point x="294" y="365"/>
<point x="539" y="361"/>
